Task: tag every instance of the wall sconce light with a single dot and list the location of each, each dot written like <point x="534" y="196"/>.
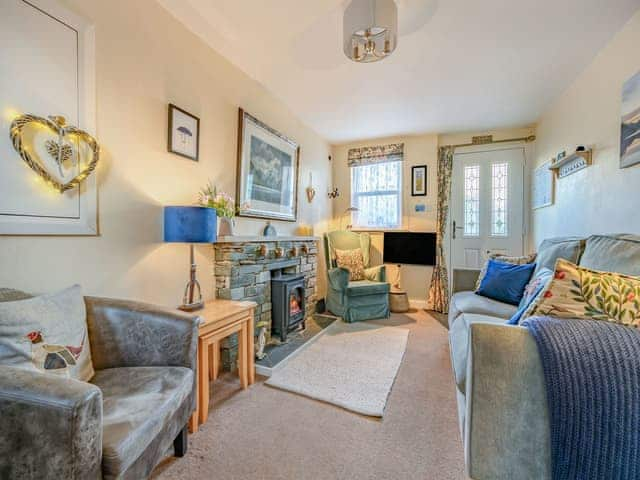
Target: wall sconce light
<point x="332" y="194"/>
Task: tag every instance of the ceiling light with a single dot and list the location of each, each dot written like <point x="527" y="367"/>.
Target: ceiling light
<point x="370" y="30"/>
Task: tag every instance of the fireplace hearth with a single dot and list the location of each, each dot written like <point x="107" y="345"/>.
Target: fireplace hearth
<point x="244" y="267"/>
<point x="287" y="299"/>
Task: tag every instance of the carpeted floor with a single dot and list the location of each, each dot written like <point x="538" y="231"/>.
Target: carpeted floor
<point x="265" y="433"/>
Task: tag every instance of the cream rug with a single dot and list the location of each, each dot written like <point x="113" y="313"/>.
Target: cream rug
<point x="352" y="365"/>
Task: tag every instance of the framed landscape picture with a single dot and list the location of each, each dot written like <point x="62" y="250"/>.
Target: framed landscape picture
<point x="267" y="176"/>
<point x="184" y="133"/>
<point x="419" y="181"/>
<point x="630" y="131"/>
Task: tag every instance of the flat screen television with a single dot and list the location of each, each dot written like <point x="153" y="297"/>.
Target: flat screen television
<point x="409" y="248"/>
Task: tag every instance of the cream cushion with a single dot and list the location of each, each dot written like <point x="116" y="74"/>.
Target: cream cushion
<point x="47" y="334"/>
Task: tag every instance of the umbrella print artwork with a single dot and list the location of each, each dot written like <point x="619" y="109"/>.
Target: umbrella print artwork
<point x="185" y="134"/>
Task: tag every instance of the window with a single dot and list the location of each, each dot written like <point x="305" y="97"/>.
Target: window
<point x="376" y="193"/>
<point x="472" y="201"/>
<point x="499" y="182"/>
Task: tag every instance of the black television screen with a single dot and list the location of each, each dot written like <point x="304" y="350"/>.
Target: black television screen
<point x="411" y="248"/>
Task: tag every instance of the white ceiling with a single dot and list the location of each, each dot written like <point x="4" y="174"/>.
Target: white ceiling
<point x="460" y="65"/>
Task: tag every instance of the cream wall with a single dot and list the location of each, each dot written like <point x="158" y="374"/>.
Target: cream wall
<point x="418" y="150"/>
<point x="601" y="198"/>
<point x="145" y="59"/>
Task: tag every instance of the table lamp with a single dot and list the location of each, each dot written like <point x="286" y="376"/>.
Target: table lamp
<point x="190" y="225"/>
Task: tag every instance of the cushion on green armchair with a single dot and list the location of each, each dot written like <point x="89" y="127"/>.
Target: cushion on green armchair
<point x="353" y="261"/>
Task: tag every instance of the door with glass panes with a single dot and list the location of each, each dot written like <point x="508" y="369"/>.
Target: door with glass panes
<point x="487" y="212"/>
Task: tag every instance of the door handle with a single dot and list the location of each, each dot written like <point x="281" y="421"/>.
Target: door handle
<point x="453" y="233"/>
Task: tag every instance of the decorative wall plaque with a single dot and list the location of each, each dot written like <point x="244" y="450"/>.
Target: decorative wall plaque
<point x="64" y="152"/>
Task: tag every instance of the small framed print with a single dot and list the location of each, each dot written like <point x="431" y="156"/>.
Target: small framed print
<point x="419" y="181"/>
<point x="184" y="133"/>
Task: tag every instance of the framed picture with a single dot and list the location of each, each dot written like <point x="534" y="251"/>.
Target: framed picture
<point x="184" y="133"/>
<point x="267" y="175"/>
<point x="419" y="181"/>
<point x="542" y="186"/>
<point x="630" y="130"/>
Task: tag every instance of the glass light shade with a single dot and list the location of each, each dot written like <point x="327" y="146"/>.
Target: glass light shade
<point x="370" y="30"/>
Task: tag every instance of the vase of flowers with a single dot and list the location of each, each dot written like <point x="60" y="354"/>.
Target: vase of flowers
<point x="210" y="197"/>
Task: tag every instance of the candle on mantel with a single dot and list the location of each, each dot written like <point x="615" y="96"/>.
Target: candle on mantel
<point x="305" y="230"/>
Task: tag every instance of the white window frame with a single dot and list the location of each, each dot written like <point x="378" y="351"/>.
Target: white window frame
<point x="398" y="192"/>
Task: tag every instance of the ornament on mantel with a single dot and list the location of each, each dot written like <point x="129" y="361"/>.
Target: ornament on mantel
<point x="269" y="230"/>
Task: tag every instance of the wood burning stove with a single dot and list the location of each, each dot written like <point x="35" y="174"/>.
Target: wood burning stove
<point x="287" y="299"/>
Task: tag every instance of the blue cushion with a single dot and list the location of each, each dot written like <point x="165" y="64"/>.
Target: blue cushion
<point x="505" y="282"/>
<point x="531" y="292"/>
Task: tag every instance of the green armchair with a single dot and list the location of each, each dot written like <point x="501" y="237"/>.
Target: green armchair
<point x="355" y="300"/>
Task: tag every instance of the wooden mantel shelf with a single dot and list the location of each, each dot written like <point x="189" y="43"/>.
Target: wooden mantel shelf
<point x="263" y="239"/>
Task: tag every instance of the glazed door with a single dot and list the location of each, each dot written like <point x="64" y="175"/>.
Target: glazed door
<point x="486" y="205"/>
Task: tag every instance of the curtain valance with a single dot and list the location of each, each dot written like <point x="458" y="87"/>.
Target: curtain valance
<point x="393" y="152"/>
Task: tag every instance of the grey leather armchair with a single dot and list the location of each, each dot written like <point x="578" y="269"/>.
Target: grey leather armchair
<point x="122" y="423"/>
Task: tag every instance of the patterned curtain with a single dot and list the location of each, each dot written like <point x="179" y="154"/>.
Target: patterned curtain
<point x="439" y="289"/>
<point x="393" y="152"/>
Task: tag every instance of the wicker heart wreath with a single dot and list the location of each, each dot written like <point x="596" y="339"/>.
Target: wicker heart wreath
<point x="59" y="151"/>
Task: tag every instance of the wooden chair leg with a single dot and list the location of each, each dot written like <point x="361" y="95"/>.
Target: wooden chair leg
<point x="242" y="356"/>
<point x="180" y="443"/>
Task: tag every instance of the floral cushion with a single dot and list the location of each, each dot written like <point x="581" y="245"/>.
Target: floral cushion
<point x="504" y="259"/>
<point x="353" y="261"/>
<point x="578" y="292"/>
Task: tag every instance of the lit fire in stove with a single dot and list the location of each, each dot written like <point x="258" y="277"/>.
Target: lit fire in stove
<point x="294" y="305"/>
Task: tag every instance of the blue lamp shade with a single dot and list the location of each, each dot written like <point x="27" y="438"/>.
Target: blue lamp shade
<point x="189" y="224"/>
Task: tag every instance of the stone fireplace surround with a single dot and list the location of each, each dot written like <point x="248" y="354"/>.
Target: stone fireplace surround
<point x="243" y="267"/>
